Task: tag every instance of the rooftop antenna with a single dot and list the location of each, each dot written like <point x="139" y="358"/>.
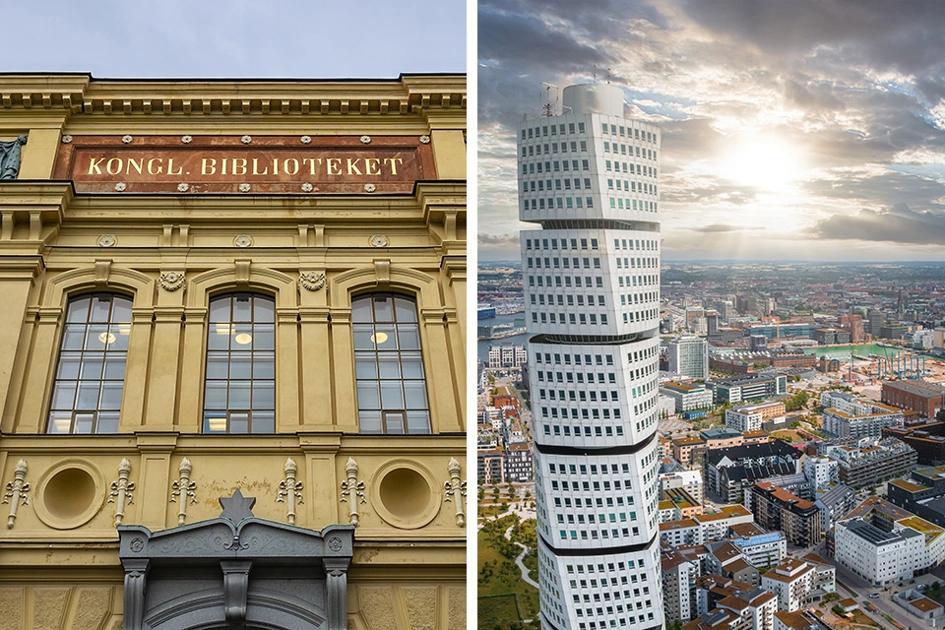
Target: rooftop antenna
<point x="549" y="106"/>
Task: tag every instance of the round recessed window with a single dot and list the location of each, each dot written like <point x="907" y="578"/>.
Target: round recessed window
<point x="404" y="496"/>
<point x="69" y="496"/>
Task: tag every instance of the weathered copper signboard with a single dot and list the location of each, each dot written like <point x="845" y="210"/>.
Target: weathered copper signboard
<point x="244" y="164"/>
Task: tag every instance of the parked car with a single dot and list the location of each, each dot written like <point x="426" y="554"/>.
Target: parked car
<point x="873" y="596"/>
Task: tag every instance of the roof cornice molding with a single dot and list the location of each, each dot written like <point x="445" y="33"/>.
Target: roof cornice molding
<point x="82" y="94"/>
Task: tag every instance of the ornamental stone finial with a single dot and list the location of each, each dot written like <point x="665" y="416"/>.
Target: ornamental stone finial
<point x="183" y="489"/>
<point x="17" y="492"/>
<point x="454" y="491"/>
<point x="352" y="491"/>
<point x="121" y="491"/>
<point x="290" y="490"/>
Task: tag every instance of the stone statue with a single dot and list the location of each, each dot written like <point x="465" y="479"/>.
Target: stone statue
<point x="10" y="157"/>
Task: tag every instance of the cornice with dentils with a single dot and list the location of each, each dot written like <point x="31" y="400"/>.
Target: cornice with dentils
<point x="83" y="94"/>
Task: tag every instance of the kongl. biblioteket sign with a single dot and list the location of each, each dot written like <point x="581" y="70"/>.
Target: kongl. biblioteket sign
<point x="231" y="164"/>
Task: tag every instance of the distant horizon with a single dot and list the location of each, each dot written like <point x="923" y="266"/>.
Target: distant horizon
<point x="759" y="260"/>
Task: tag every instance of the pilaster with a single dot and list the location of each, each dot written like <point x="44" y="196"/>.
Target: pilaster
<point x="16" y="281"/>
<point x="163" y="371"/>
<point x="287" y="370"/>
<point x="442" y="390"/>
<point x="342" y="362"/>
<point x="317" y="412"/>
<point x="136" y="370"/>
<point x="31" y="418"/>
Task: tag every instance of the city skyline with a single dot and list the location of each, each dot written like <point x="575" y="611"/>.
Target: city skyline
<point x="810" y="133"/>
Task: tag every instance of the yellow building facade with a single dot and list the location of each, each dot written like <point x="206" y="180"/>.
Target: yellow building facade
<point x="211" y="286"/>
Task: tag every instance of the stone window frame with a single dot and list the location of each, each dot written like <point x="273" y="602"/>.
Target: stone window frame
<point x="394" y="352"/>
<point x="232" y="295"/>
<point x="123" y="328"/>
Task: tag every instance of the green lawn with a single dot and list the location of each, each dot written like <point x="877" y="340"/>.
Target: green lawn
<point x="504" y="599"/>
<point x="488" y="511"/>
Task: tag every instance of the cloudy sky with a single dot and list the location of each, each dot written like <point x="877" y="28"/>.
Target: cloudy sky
<point x="802" y="130"/>
<point x="235" y="38"/>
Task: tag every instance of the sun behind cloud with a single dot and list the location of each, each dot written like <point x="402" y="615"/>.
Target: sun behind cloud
<point x="765" y="161"/>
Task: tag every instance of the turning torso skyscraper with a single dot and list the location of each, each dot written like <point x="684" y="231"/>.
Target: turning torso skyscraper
<point x="591" y="272"/>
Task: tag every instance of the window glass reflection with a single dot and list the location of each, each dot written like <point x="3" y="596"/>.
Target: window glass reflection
<point x="239" y="392"/>
<point x="388" y="365"/>
<point x="90" y="375"/>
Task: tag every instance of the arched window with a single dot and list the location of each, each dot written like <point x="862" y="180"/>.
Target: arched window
<point x="90" y="374"/>
<point x="239" y="396"/>
<point x="392" y="394"/>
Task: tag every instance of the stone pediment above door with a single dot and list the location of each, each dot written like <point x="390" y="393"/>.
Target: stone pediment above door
<point x="235" y="571"/>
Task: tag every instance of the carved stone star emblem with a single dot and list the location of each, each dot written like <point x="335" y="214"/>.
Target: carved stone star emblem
<point x="237" y="507"/>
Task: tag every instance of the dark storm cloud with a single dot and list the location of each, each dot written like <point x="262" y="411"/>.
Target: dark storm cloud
<point x="706" y="191"/>
<point x="525" y="43"/>
<point x="811" y="95"/>
<point x="595" y="18"/>
<point x="717" y="228"/>
<point x="689" y="138"/>
<point x="898" y="225"/>
<point x="518" y="52"/>
<point x="530" y="41"/>
<point x="887" y="189"/>
<point x="888" y="122"/>
<point x="904" y="35"/>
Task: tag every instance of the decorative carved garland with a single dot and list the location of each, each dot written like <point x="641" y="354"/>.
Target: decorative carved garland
<point x="312" y="280"/>
<point x="172" y="280"/>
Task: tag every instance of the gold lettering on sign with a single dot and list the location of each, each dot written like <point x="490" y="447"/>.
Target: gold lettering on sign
<point x="393" y="162"/>
<point x="244" y="166"/>
<point x="334" y="167"/>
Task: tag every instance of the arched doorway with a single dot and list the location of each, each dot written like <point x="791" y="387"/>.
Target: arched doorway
<point x="236" y="572"/>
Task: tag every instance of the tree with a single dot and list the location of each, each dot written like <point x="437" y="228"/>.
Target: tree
<point x="797" y="401"/>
